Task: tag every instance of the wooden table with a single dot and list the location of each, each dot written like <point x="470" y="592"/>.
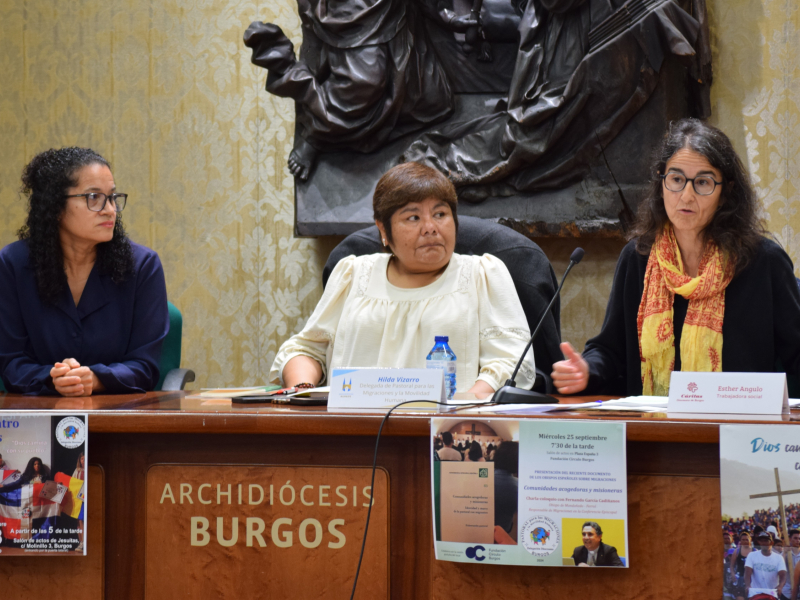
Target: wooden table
<point x="673" y="493"/>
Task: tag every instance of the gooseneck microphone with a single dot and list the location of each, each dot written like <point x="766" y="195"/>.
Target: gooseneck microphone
<point x="510" y="393"/>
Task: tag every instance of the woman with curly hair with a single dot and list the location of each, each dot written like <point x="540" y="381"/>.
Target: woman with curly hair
<point x="84" y="309"/>
<point x="699" y="287"/>
<point x="35" y="472"/>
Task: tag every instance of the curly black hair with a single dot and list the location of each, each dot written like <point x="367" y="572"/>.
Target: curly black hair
<point x="45" y="180"/>
<point x="735" y="227"/>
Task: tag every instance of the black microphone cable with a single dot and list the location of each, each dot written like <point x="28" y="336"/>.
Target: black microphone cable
<point x="509" y="393"/>
<point x="574" y="259"/>
<point x="375" y="466"/>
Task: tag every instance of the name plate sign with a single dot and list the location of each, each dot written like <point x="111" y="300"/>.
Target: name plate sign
<point x="384" y="388"/>
<point x="728" y="393"/>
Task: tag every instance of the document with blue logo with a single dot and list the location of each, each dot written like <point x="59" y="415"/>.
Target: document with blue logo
<point x="43" y="484"/>
<point x="530" y="492"/>
<point x="759" y="480"/>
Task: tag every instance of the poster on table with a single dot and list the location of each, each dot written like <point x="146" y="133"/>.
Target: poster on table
<point x="760" y="490"/>
<point x="529" y="492"/>
<point x="44" y="485"/>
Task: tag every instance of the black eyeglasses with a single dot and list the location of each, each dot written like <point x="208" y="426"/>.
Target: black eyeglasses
<point x="704" y="185"/>
<point x="96" y="201"/>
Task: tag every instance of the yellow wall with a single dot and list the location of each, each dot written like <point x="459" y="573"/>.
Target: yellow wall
<point x="166" y="92"/>
<point x="756" y="101"/>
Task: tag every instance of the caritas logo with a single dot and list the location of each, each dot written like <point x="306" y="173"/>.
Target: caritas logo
<point x="692" y="387"/>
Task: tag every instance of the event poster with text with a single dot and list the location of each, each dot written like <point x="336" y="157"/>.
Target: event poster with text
<point x="759" y="472"/>
<point x="42" y="484"/>
<point x="530" y="492"/>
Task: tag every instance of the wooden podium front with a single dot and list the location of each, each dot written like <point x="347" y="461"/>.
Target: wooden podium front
<point x="278" y="532"/>
<point x="179" y="473"/>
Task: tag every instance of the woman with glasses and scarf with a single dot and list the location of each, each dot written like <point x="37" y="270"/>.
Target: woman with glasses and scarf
<point x="84" y="309"/>
<point x="699" y="287"/>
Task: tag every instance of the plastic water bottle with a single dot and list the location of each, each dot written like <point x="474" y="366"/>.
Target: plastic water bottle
<point x="442" y="357"/>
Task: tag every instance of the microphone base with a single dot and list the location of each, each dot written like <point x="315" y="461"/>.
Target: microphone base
<point x="514" y="395"/>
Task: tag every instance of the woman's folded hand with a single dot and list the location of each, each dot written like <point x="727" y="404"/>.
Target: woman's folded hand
<point x="71" y="379"/>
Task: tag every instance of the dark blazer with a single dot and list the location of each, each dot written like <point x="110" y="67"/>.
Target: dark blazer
<point x="116" y="330"/>
<point x="533" y="277"/>
<point x="606" y="556"/>
<point x="761" y="324"/>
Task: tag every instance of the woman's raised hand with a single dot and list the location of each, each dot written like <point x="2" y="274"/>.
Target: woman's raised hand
<point x="570" y="376"/>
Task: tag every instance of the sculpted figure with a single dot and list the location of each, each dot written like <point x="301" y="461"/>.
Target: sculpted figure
<point x="583" y="69"/>
<point x="369" y="74"/>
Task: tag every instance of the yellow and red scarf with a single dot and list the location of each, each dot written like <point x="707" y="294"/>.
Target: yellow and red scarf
<point x="701" y="337"/>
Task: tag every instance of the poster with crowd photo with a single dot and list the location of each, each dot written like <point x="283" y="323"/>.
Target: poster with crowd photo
<point x="43" y="484"/>
<point x="760" y="491"/>
<point x="529" y="492"/>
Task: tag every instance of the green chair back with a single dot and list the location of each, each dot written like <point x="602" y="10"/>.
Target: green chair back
<point x="171" y="349"/>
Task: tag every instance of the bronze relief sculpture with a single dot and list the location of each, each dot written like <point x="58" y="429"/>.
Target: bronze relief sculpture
<point x="529" y="107"/>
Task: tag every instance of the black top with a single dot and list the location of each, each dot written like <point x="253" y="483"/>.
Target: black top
<point x="606" y="556"/>
<point x="760" y="330"/>
<point x="740" y="560"/>
<point x="505" y="498"/>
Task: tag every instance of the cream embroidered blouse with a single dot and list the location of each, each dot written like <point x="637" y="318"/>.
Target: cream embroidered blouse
<point x="362" y="320"/>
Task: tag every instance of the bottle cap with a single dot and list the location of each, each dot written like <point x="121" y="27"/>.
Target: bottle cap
<point x="441" y="338"/>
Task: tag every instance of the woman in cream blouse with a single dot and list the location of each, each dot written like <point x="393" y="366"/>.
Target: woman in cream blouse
<point x="384" y="310"/>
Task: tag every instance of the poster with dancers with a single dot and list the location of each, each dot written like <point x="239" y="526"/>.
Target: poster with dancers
<point x="43" y="484"/>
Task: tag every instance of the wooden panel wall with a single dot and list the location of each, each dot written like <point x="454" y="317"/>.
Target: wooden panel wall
<point x="673" y="495"/>
<point x="675" y="552"/>
<point x="405" y="460"/>
<point x="309" y="523"/>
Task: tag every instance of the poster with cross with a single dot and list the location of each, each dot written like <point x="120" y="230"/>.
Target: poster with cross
<point x="760" y="495"/>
